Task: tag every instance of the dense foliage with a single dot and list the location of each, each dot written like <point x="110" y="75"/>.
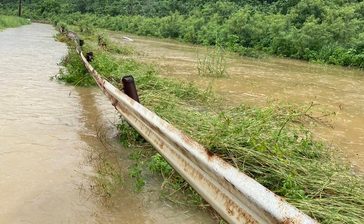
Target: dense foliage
<point x="329" y="31"/>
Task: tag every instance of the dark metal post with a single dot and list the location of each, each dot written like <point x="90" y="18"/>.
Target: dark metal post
<point x="89" y="56"/>
<point x="20" y="6"/>
<point x="129" y="87"/>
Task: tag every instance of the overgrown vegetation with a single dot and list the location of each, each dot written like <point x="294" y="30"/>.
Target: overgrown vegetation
<point x="108" y="177"/>
<point x="269" y="144"/>
<point x="11" y="21"/>
<point x="323" y="31"/>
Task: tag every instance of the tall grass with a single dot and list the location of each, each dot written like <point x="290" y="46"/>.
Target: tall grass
<point x="11" y="21"/>
<point x="213" y="64"/>
<point x="269" y="144"/>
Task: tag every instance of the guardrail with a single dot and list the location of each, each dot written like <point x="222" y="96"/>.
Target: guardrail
<point x="235" y="196"/>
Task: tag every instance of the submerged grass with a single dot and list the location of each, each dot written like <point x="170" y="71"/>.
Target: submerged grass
<point x="269" y="144"/>
<point x="11" y="21"/>
<point x="212" y="64"/>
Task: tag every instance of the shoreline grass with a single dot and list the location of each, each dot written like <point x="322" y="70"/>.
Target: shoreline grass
<point x="12" y="21"/>
<point x="270" y="144"/>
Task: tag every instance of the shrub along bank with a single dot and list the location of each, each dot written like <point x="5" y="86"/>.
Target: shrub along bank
<point x="269" y="144"/>
<point x="11" y="21"/>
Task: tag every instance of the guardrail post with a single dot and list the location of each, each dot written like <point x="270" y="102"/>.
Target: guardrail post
<point x="89" y="56"/>
<point x="62" y="29"/>
<point x="129" y="87"/>
<point x="20" y="8"/>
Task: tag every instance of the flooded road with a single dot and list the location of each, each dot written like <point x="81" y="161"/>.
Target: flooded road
<point x="333" y="90"/>
<point x="52" y="137"/>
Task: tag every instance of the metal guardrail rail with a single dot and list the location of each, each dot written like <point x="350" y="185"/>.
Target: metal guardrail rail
<point x="235" y="196"/>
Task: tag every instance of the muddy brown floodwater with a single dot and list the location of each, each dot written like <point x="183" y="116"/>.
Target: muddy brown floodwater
<point x="259" y="81"/>
<point x="49" y="134"/>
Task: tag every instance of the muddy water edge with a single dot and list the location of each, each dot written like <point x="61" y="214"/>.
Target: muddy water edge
<point x="59" y="146"/>
<point x="336" y="92"/>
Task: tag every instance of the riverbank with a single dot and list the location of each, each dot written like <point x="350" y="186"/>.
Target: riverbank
<point x="12" y="21"/>
<point x="336" y="92"/>
<point x="270" y="144"/>
<point x="248" y="32"/>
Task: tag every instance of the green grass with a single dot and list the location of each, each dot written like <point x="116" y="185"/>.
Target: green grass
<point x="270" y="144"/>
<point x="213" y="64"/>
<point x="11" y="21"/>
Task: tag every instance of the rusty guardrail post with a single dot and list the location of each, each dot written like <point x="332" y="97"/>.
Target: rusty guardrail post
<point x="89" y="56"/>
<point x="129" y="87"/>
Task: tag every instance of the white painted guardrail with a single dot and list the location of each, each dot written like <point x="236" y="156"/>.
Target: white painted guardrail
<point x="235" y="196"/>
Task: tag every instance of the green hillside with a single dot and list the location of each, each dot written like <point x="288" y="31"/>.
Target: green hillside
<point x="325" y="31"/>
